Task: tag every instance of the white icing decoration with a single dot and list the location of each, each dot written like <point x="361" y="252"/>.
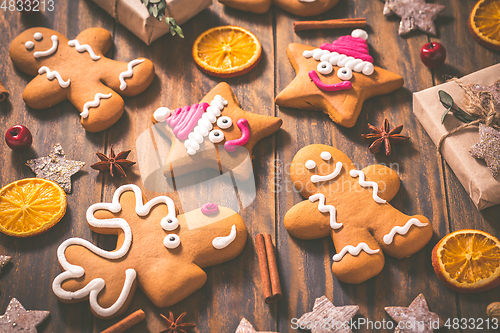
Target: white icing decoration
<point x="402" y="230"/>
<point x="54" y="74"/>
<point x="196" y="137"/>
<point x="358" y="173"/>
<point x="335" y="173"/>
<point x="29" y="45"/>
<point x="359" y="33"/>
<point x="326" y="156"/>
<point x="53" y="48"/>
<point x="128" y="73"/>
<point x="310" y="164"/>
<point x="172" y="241"/>
<point x="344" y="74"/>
<point x="324" y="68"/>
<point x="354" y="251"/>
<point x="83" y="48"/>
<point x="93" y="104"/>
<point x="224" y="122"/>
<point x="341" y="60"/>
<point x="94" y="287"/>
<point x="38" y="36"/>
<point x="307" y="0"/>
<point x="161" y="114"/>
<point x="326" y="209"/>
<point x="222" y="242"/>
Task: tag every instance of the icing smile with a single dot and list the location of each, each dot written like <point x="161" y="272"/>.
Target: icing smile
<point x="243" y="140"/>
<point x="53" y="48"/>
<point x="344" y="85"/>
<point x="335" y="173"/>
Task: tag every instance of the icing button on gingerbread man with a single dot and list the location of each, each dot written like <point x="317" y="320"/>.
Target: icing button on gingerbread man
<point x="352" y="207"/>
<point x="77" y="70"/>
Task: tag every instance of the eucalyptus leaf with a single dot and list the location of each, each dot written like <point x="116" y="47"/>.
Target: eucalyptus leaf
<point x="162" y="6"/>
<point x="172" y="30"/>
<point x="446" y="99"/>
<point x="154" y="1"/>
<point x="150" y="10"/>
<point x="444" y="115"/>
<point x="178" y="29"/>
<point x="155" y="11"/>
<point x="146" y="2"/>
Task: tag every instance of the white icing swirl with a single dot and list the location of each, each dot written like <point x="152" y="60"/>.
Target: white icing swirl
<point x="52" y="50"/>
<point x="358" y="173"/>
<point x="128" y="73"/>
<point x="161" y="114"/>
<point x="341" y="60"/>
<point x="354" y="251"/>
<point x="83" y="48"/>
<point x="388" y="239"/>
<point x="94" y="287"/>
<point x="93" y="104"/>
<point x="54" y="74"/>
<point x="222" y="242"/>
<point x="326" y="209"/>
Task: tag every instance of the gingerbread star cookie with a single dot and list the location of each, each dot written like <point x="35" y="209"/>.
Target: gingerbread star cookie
<point x="335" y="319"/>
<point x="351" y="206"/>
<point x="215" y="133"/>
<point x="297" y="7"/>
<point x="416" y="318"/>
<point x="77" y="70"/>
<point x="158" y="251"/>
<point x="336" y="78"/>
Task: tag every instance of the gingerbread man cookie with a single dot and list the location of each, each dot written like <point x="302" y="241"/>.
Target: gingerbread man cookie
<point x="215" y="133"/>
<point x="77" y="70"/>
<point x="297" y="7"/>
<point x="352" y="207"/>
<point x="161" y="253"/>
<point x="336" y="78"/>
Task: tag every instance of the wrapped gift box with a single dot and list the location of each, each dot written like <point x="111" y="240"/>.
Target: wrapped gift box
<point x="474" y="175"/>
<point x="133" y="15"/>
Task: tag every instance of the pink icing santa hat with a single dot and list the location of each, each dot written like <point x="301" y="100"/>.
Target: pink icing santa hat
<point x="347" y="51"/>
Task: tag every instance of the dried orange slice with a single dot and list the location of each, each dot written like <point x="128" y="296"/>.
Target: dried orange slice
<point x="484" y="23"/>
<point x="468" y="261"/>
<point x="227" y="51"/>
<point x="30" y="206"/>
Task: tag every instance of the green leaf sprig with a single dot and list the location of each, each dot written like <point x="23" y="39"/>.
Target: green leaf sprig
<point x="156" y="9"/>
<point x="449" y="104"/>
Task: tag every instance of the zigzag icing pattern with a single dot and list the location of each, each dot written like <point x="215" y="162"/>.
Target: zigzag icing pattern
<point x="94" y="287"/>
<point x="358" y="173"/>
<point x="354" y="251"/>
<point x="51" y="75"/>
<point x="83" y="48"/>
<point x="128" y="73"/>
<point x="326" y="209"/>
<point x="93" y="104"/>
<point x="388" y="239"/>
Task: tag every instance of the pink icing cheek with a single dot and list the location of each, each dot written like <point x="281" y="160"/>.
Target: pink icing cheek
<point x="209" y="209"/>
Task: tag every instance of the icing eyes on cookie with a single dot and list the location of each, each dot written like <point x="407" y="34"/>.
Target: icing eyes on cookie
<point x="326" y="156"/>
<point x="29" y="45"/>
<point x="344" y="74"/>
<point x="224" y="122"/>
<point x="324" y="68"/>
<point x="38" y="36"/>
<point x="310" y="164"/>
<point x="172" y="241"/>
<point x="169" y="223"/>
<point x="216" y="136"/>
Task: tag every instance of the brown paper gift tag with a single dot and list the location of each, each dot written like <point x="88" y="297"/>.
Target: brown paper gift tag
<point x="474" y="175"/>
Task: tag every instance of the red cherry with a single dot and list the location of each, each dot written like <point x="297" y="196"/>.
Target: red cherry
<point x="18" y="137"/>
<point x="433" y="54"/>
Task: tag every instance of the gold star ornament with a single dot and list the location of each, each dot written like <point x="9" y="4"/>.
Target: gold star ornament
<point x="336" y="78"/>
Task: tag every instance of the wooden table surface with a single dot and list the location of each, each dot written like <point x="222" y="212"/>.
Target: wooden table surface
<point x="233" y="289"/>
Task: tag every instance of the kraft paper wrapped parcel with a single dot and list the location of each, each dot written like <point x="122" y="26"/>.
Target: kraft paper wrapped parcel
<point x="134" y="16"/>
<point x="474" y="175"/>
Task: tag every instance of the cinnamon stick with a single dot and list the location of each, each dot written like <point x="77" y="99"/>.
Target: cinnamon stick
<point x="268" y="268"/>
<point x="329" y="24"/>
<point x="4" y="94"/>
<point x="127" y="322"/>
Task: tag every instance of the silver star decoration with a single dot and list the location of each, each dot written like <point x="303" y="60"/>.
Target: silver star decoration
<point x="415" y="15"/>
<point x="388" y="11"/>
<point x="17" y="319"/>
<point x="4" y="260"/>
<point x="416" y="318"/>
<point x="328" y="318"/>
<point x="246" y="327"/>
<point x="494" y="90"/>
<point x="56" y="167"/>
<point x="488" y="148"/>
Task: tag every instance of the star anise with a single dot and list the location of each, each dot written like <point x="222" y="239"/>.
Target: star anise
<point x="384" y="136"/>
<point x="176" y="325"/>
<point x="113" y="163"/>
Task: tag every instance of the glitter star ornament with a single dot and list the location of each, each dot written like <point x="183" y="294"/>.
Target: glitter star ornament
<point x="17" y="319"/>
<point x="56" y="167"/>
<point x="246" y="327"/>
<point x="4" y="260"/>
<point x="494" y="90"/>
<point x="336" y="318"/>
<point x="415" y="15"/>
<point x="488" y="148"/>
<point x="416" y="318"/>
